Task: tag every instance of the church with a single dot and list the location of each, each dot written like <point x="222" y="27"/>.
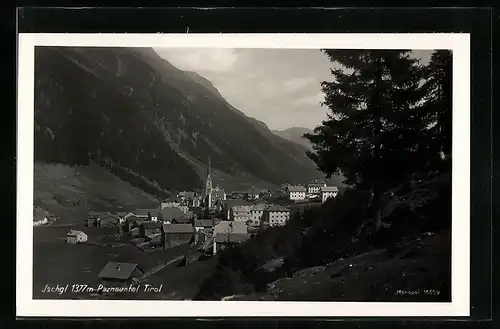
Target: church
<point x="214" y="197"/>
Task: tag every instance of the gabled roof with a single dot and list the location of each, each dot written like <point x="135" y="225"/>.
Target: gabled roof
<point x="122" y="271"/>
<point x="168" y="214"/>
<point x="203" y="223"/>
<point x="231" y="237"/>
<point x="134" y="218"/>
<point x="109" y="215"/>
<point x="178" y="228"/>
<point x="296" y="189"/>
<point x="230" y="226"/>
<point x="144" y="212"/>
<point x="260" y="207"/>
<point x="99" y="213"/>
<point x="236" y="202"/>
<point x="75" y="232"/>
<point x="248" y="207"/>
<point x="121" y="213"/>
<point x="316" y="182"/>
<point x="150" y="224"/>
<point x="275" y="207"/>
<point x="329" y="189"/>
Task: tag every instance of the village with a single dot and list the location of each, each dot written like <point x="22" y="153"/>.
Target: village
<point x="187" y="228"/>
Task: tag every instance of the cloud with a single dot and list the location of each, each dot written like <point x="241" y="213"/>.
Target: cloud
<point x="298" y="83"/>
<point x="311" y="99"/>
<point x="198" y="60"/>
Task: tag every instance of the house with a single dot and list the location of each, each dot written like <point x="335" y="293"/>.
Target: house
<point x="169" y="215"/>
<point x="221" y="240"/>
<point x="169" y="203"/>
<point x="226" y="226"/>
<point x="314" y="186"/>
<point x="275" y="215"/>
<point x="147" y="214"/>
<point x="134" y="222"/>
<point x="229" y="232"/>
<point x="177" y="234"/>
<point x="121" y="215"/>
<point x="121" y="272"/>
<point x="328" y="192"/>
<point x="241" y="213"/>
<point x="296" y="192"/>
<point x="74" y="237"/>
<point x="109" y="220"/>
<point x="148" y="228"/>
<point x="154" y="239"/>
<point x="229" y="204"/>
<point x="201" y="224"/>
<point x="256" y="213"/>
<point x="40" y="216"/>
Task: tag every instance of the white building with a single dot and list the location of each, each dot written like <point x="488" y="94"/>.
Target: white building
<point x="328" y="192"/>
<point x="297" y="192"/>
<point x="76" y="237"/>
<point x="276" y="215"/>
<point x="315" y="186"/>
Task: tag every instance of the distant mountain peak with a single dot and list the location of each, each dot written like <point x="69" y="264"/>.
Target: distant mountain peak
<point x="295" y="134"/>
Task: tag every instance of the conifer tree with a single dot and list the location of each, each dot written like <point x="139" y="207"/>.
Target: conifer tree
<point x="372" y="134"/>
<point x="438" y="106"/>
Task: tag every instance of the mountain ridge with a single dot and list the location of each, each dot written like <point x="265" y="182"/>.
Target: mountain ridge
<point x="130" y="108"/>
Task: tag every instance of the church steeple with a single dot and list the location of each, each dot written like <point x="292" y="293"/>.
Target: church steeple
<point x="208" y="184"/>
<point x="209" y="169"/>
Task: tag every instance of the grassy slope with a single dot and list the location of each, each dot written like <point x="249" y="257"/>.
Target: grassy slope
<point x="70" y="192"/>
<point x="420" y="265"/>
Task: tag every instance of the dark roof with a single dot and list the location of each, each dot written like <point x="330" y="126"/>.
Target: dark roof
<point x="121" y="271"/>
<point x="203" y="223"/>
<point x="231" y="237"/>
<point x="99" y="213"/>
<point x="186" y="194"/>
<point x="121" y="213"/>
<point x="197" y="210"/>
<point x="275" y="207"/>
<point x="134" y="218"/>
<point x="236" y="202"/>
<point x="168" y="214"/>
<point x="296" y="189"/>
<point x="150" y="224"/>
<point x="178" y="228"/>
<point x="110" y="216"/>
<point x="144" y="212"/>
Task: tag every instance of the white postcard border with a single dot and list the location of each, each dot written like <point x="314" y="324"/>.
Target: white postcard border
<point x="459" y="43"/>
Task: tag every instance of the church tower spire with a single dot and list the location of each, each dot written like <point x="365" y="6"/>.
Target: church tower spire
<point x="208" y="184"/>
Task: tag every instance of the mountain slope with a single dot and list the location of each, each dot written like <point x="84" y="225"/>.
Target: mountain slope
<point x="295" y="134"/>
<point x="70" y="192"/>
<point x="138" y="115"/>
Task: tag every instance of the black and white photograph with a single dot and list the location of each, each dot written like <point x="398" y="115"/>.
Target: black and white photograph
<point x="244" y="172"/>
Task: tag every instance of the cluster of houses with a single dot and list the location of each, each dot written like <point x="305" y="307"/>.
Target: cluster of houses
<point x="209" y="217"/>
<point x="314" y="190"/>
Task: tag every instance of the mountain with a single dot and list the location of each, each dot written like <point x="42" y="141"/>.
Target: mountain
<point x="151" y="124"/>
<point x="295" y="134"/>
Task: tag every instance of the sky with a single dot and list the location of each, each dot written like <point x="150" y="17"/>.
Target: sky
<point x="281" y="87"/>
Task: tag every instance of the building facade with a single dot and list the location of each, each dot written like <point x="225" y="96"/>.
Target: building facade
<point x="296" y="192"/>
<point x="276" y="215"/>
<point x="241" y="213"/>
<point x="74" y="237"/>
<point x="328" y="192"/>
<point x="314" y="187"/>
